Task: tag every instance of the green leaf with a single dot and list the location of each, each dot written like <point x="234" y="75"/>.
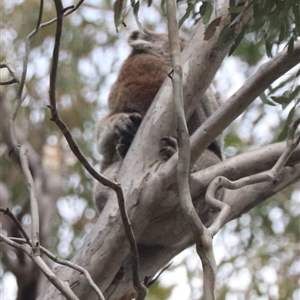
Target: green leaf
<point x="295" y="93"/>
<point x="237" y="41"/>
<point x="269" y="46"/>
<point x="283" y="32"/>
<point x="226" y="37"/>
<point x="280" y="99"/>
<point x="187" y="14"/>
<point x="136" y="7"/>
<point x="286" y="98"/>
<point x="283" y="134"/>
<point x="206" y="9"/>
<point x="118" y="8"/>
<point x="163" y="6"/>
<point x="291" y="46"/>
<point x="265" y="100"/>
<point x="237" y="9"/>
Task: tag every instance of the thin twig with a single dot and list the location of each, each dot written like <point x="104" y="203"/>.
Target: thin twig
<point x="20" y="149"/>
<point x="64" y="262"/>
<point x="8" y="82"/>
<point x="55" y="118"/>
<point x="67" y="11"/>
<point x="75" y="267"/>
<point x="11" y="70"/>
<point x="18" y="224"/>
<point x="59" y="284"/>
<point x="35" y="227"/>
<point x="139" y="286"/>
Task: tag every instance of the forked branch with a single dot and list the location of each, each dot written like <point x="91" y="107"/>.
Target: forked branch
<point x="268" y="176"/>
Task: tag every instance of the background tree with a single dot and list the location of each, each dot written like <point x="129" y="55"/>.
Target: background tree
<point x="64" y="187"/>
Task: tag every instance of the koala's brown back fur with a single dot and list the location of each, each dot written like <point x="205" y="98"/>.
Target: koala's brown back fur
<point x="142" y="73"/>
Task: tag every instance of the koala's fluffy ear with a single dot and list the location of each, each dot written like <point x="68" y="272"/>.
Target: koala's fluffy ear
<point x="139" y="41"/>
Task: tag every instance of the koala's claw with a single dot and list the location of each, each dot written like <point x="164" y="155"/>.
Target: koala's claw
<point x="169" y="146"/>
<point x="128" y="125"/>
<point x="122" y="149"/>
<point x="126" y="129"/>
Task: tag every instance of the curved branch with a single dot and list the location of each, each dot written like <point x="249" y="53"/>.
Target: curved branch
<point x="242" y="165"/>
<point x="257" y="193"/>
<point x="267" y="176"/>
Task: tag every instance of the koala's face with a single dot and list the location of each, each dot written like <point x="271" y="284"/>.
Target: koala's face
<point x="152" y="42"/>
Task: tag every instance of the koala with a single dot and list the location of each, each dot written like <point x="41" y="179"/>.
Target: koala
<point x="136" y="86"/>
<point x="138" y="81"/>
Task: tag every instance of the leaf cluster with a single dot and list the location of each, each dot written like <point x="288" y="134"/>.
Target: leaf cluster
<point x="287" y="98"/>
<point x="276" y="22"/>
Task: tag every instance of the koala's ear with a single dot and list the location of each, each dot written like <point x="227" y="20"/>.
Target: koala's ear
<point x="139" y="41"/>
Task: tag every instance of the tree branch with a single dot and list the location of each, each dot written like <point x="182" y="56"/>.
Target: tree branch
<point x="257" y="193"/>
<point x="75" y="267"/>
<point x="242" y="165"/>
<point x="201" y="236"/>
<point x="240" y="100"/>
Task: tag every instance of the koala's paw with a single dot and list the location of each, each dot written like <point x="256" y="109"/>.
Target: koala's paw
<point x="169" y="146"/>
<point x="126" y="128"/>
